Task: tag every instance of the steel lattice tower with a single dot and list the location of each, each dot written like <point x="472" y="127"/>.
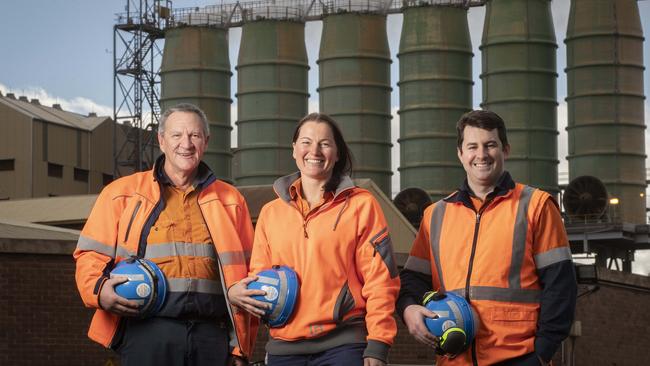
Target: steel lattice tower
<point x="136" y="83"/>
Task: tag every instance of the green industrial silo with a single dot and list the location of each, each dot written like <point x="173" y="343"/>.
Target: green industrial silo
<point x="519" y="83"/>
<point x="354" y="72"/>
<point x="196" y="69"/>
<point x="605" y="98"/>
<point x="435" y="66"/>
<point x="272" y="97"/>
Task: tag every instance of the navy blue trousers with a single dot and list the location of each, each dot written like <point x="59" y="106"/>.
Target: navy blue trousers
<point x="345" y="355"/>
<point x="167" y="341"/>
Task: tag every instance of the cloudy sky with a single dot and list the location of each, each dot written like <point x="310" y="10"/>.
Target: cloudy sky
<point x="61" y="51"/>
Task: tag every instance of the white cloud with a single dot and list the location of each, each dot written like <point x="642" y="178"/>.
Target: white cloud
<point x="79" y="105"/>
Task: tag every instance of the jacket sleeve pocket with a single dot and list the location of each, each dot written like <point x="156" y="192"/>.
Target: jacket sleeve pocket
<point x="384" y="246"/>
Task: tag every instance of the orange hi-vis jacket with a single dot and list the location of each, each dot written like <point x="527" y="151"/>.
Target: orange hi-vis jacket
<point x="118" y="227"/>
<point x="510" y="259"/>
<point x="343" y="256"/>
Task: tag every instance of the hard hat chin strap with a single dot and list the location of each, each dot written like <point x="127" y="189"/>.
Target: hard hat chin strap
<point x="154" y="287"/>
<point x="452" y="342"/>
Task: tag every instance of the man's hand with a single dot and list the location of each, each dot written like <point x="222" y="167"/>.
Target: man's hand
<point x="240" y="295"/>
<point x="414" y="318"/>
<point x="369" y="361"/>
<point x="112" y="302"/>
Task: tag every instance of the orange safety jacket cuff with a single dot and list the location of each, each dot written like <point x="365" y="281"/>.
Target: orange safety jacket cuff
<point x="98" y="289"/>
<point x="377" y="349"/>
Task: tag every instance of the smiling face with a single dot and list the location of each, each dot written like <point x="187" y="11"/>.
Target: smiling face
<point x="315" y="151"/>
<point x="183" y="142"/>
<point x="483" y="157"/>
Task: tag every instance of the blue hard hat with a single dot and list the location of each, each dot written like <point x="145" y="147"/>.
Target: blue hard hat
<point x="146" y="285"/>
<point x="281" y="286"/>
<point x="456" y="324"/>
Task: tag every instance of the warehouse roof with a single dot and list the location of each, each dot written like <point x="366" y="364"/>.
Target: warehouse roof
<point x="11" y="229"/>
<point x="35" y="110"/>
<point x="57" y="211"/>
<point x="22" y="237"/>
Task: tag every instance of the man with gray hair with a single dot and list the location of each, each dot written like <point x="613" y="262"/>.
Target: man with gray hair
<point x="196" y="229"/>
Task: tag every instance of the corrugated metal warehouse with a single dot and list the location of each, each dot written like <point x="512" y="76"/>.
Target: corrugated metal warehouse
<point x="46" y="151"/>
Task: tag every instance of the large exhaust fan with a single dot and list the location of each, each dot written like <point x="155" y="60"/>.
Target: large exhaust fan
<point x="411" y="202"/>
<point x="585" y="198"/>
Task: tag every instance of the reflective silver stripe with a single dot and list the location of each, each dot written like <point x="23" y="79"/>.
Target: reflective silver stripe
<point x="501" y="294"/>
<point x="194" y="285"/>
<point x="195" y="250"/>
<point x="445" y="314"/>
<point x="552" y="256"/>
<point x="519" y="238"/>
<point x="131" y="277"/>
<point x="456" y="311"/>
<point x="122" y="252"/>
<point x="236" y="257"/>
<point x="86" y="243"/>
<point x="282" y="296"/>
<point x="268" y="280"/>
<point x="434" y="233"/>
<point x="180" y="249"/>
<point x="418" y="265"/>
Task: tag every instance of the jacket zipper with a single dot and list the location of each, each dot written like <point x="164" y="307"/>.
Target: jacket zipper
<point x="304" y="227"/>
<point x="471" y="265"/>
<point x="128" y="227"/>
<point x="471" y="256"/>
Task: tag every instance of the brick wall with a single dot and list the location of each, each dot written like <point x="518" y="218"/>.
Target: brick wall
<point x="42" y="318"/>
<point x="615" y="322"/>
<point x="43" y="321"/>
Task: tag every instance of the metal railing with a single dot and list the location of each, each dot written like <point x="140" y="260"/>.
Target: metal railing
<point x="236" y="13"/>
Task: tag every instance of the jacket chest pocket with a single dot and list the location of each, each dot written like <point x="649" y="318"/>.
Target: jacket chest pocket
<point x="129" y="220"/>
<point x="162" y="231"/>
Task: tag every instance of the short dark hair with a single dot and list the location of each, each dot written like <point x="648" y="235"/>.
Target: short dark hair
<point x="344" y="164"/>
<point x="486" y="120"/>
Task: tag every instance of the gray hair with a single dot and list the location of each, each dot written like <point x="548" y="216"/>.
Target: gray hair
<point x="184" y="107"/>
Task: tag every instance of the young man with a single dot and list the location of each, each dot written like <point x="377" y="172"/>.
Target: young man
<point x="501" y="245"/>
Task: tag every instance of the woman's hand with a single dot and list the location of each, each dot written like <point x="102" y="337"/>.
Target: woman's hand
<point x="240" y="296"/>
<point x="369" y="361"/>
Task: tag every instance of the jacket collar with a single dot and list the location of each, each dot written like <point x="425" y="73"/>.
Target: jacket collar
<point x="282" y="186"/>
<point x="504" y="185"/>
<point x="203" y="178"/>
